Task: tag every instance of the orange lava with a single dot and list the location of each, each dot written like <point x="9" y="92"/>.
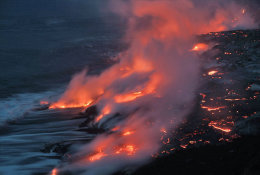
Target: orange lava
<point x="163" y="130"/>
<point x="128" y="97"/>
<point x="213" y="108"/>
<point x="221" y="129"/>
<point x="97" y="156"/>
<point x="127" y="133"/>
<point x="63" y="106"/>
<point x="214" y="125"/>
<point x="128" y="149"/>
<point x="200" y="47"/>
<point x="184" y="146"/>
<point x="105" y="111"/>
<point x="203" y="95"/>
<point x="44" y="102"/>
<point x="212" y="72"/>
<point x="54" y="171"/>
<point x="235" y="99"/>
<point x="115" y="128"/>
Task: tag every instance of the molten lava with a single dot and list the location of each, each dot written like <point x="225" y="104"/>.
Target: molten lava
<point x="200" y="47"/>
<point x="153" y="82"/>
<point x="54" y="171"/>
<point x="128" y="149"/>
<point x="213" y="108"/>
<point x="97" y="156"/>
<point x="128" y="97"/>
<point x="127" y="133"/>
<point x="212" y="72"/>
<point x="63" y="106"/>
<point x="215" y="125"/>
<point x="105" y="111"/>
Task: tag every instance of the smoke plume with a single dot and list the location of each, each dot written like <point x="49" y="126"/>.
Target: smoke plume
<point x="151" y="89"/>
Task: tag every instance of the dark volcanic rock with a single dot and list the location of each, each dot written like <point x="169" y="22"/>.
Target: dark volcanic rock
<point x="90" y="115"/>
<point x="92" y="130"/>
<point x="249" y="126"/>
<point x="242" y="157"/>
<point x="56" y="147"/>
<point x="42" y="108"/>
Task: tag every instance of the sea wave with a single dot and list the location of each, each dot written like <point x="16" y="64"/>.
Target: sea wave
<point x="18" y="105"/>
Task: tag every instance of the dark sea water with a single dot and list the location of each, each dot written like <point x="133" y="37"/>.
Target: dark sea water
<point x="43" y="43"/>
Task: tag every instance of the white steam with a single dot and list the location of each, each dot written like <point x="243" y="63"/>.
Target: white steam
<point x="153" y="85"/>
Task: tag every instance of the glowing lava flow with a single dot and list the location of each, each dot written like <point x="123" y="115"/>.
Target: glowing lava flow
<point x="54" y="171"/>
<point x="213" y="108"/>
<point x="63" y="106"/>
<point x="128" y="97"/>
<point x="128" y="149"/>
<point x="235" y="99"/>
<point x="214" y="125"/>
<point x="127" y="133"/>
<point x="212" y="72"/>
<point x="97" y="156"/>
<point x="105" y="111"/>
<point x="158" y="62"/>
<point x="200" y="47"/>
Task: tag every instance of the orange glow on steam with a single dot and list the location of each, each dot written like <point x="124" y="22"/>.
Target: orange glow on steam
<point x="63" y="106"/>
<point x="54" y="171"/>
<point x="200" y="47"/>
<point x="97" y="156"/>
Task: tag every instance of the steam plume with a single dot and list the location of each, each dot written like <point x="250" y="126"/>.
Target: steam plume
<point x="152" y="87"/>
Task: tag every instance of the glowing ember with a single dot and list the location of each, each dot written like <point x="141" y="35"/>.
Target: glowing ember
<point x="192" y="142"/>
<point x="200" y="47"/>
<point x="63" y="106"/>
<point x="128" y="149"/>
<point x="97" y="156"/>
<point x="163" y="130"/>
<point x="127" y="133"/>
<point x="54" y="171"/>
<point x="105" y="111"/>
<point x="235" y="99"/>
<point x="213" y="108"/>
<point x="127" y="97"/>
<point x="44" y="102"/>
<point x="115" y="128"/>
<point x="184" y="146"/>
<point x="227" y="53"/>
<point x="212" y="72"/>
<point x="203" y="95"/>
<point x="214" y="125"/>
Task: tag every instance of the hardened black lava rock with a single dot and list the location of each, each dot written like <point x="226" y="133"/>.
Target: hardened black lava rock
<point x="90" y="115"/>
<point x="241" y="157"/>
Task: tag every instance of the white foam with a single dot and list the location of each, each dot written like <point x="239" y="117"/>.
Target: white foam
<point x="18" y="105"/>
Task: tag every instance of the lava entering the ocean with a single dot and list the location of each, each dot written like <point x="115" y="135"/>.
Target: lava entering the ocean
<point x="152" y="86"/>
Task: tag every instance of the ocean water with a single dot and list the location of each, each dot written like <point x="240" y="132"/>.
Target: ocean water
<point x="44" y="43"/>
